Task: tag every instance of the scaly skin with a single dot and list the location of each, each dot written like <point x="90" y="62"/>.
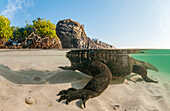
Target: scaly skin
<point x="103" y="65"/>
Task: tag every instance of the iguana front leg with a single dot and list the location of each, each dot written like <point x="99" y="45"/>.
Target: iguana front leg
<point x="100" y="81"/>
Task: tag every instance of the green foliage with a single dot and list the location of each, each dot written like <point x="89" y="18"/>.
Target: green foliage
<point x="44" y="27"/>
<point x="21" y="33"/>
<point x="5" y="29"/>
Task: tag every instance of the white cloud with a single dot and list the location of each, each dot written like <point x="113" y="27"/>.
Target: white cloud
<point x="29" y="3"/>
<point x="14" y="6"/>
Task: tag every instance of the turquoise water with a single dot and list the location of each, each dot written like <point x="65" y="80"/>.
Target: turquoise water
<point x="160" y="58"/>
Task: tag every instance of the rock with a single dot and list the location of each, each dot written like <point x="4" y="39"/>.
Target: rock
<point x="72" y="35"/>
<point x="103" y="45"/>
<point x="30" y="101"/>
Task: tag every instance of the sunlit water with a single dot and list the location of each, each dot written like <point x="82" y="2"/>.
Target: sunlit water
<point x="160" y="58"/>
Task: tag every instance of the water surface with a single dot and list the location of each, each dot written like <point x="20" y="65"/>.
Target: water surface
<point x="160" y="58"/>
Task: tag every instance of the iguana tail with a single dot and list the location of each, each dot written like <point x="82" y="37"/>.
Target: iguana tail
<point x="144" y="64"/>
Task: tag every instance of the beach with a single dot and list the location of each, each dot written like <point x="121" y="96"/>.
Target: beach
<point x="33" y="75"/>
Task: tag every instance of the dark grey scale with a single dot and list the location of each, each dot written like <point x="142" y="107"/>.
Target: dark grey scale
<point x="103" y="65"/>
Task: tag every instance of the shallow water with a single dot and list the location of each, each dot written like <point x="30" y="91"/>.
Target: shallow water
<point x="160" y="58"/>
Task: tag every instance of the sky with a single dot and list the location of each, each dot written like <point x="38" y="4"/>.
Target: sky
<point x="121" y="23"/>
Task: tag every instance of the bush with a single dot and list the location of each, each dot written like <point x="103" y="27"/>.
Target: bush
<point x="44" y="28"/>
<point x="21" y="34"/>
<point x="6" y="32"/>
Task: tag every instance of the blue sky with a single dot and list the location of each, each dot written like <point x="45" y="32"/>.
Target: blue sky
<point x="122" y="23"/>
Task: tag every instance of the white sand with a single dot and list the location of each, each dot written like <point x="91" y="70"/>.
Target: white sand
<point x="35" y="74"/>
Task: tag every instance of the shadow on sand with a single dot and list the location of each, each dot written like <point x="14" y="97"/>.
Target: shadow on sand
<point x="31" y="76"/>
<point x="77" y="79"/>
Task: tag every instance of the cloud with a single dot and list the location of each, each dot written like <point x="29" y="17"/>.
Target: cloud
<point x="15" y="5"/>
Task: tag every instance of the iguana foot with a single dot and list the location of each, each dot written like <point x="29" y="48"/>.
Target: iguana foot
<point x="66" y="91"/>
<point x="73" y="94"/>
<point x="143" y="72"/>
<point x="100" y="81"/>
<point x="147" y="79"/>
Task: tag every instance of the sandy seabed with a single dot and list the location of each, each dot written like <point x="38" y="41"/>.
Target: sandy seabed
<point x="30" y="80"/>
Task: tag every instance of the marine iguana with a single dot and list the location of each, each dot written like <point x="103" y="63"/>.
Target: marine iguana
<point x="103" y="65"/>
